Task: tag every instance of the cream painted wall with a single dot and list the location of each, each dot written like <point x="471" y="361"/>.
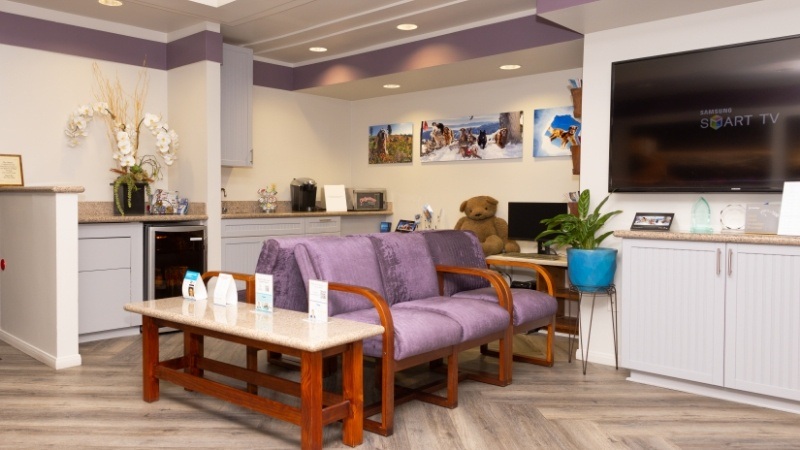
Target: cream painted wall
<point x="445" y="185"/>
<point x="294" y="135"/>
<point x="39" y="89"/>
<point x="761" y="20"/>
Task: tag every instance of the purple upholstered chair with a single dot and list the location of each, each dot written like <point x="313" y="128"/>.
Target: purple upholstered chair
<point x="531" y="309"/>
<point x="390" y="279"/>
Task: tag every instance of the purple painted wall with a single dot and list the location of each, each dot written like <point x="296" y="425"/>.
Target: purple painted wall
<point x="272" y="75"/>
<point x="203" y="46"/>
<point x="56" y="37"/>
<point x="503" y="37"/>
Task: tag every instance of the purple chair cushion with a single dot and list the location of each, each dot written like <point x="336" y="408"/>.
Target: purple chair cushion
<point x="475" y="318"/>
<point x="528" y="304"/>
<point x="406" y="266"/>
<point x="277" y="259"/>
<point x="457" y="248"/>
<point x="348" y="260"/>
<point x="416" y="332"/>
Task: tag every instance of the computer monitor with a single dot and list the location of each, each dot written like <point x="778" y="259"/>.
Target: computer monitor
<point x="525" y="220"/>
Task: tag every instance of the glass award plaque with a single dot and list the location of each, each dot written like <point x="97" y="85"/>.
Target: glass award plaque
<point x="701" y="217"/>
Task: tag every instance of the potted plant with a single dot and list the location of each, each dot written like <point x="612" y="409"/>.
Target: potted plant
<point x="589" y="266"/>
<point x="134" y="173"/>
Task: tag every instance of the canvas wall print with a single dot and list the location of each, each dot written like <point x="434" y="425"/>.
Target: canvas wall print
<point x="555" y="130"/>
<point x="391" y="143"/>
<point x="472" y="138"/>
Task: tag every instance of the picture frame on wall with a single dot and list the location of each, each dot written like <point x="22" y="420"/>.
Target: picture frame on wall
<point x="652" y="221"/>
<point x="11" y="170"/>
<point x="472" y="138"/>
<point x="555" y="131"/>
<point x="391" y="143"/>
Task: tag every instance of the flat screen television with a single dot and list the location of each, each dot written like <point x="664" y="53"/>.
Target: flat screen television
<point x="723" y="119"/>
<point x="525" y="220"/>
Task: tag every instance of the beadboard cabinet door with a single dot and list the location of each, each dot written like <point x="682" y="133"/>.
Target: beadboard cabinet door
<point x="673" y="309"/>
<point x="237" y="106"/>
<point x="763" y="320"/>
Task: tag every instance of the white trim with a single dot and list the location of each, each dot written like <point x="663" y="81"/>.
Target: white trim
<point x="40" y="355"/>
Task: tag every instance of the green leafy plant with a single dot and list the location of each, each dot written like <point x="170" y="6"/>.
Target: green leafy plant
<point x="145" y="171"/>
<point x="578" y="231"/>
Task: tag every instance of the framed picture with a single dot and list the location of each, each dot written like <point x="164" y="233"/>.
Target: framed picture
<point x="472" y="138"/>
<point x="555" y="131"/>
<point x="11" y="170"/>
<point x="652" y="221"/>
<point x="391" y="143"/>
<point x="406" y="226"/>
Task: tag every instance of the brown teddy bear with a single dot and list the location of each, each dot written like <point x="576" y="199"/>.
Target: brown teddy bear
<point x="491" y="231"/>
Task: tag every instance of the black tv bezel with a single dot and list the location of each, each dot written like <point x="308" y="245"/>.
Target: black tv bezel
<point x="684" y="189"/>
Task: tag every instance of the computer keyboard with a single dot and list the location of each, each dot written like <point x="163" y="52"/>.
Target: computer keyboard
<point x="531" y="256"/>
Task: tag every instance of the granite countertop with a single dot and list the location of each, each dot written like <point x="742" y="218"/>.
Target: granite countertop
<point x="250" y="210"/>
<point x="736" y="238"/>
<point x="103" y="212"/>
<point x="282" y="327"/>
<point x="46" y="189"/>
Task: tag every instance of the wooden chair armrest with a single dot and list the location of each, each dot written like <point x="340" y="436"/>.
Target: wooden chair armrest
<point x="542" y="271"/>
<point x="497" y="281"/>
<point x="379" y="303"/>
<point x="249" y="282"/>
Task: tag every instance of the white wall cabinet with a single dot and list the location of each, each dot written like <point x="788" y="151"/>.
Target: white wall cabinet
<point x="242" y="239"/>
<point x="721" y="314"/>
<point x="110" y="270"/>
<point x="237" y="106"/>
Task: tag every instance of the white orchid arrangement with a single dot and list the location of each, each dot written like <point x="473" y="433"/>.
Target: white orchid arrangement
<point x="124" y="126"/>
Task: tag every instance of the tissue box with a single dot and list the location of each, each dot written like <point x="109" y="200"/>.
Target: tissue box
<point x="168" y="202"/>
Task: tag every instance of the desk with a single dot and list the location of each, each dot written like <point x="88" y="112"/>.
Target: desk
<point x="283" y="331"/>
<point x="557" y="268"/>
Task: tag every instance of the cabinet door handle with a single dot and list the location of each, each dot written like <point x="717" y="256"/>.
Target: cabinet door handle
<point x="718" y="258"/>
<point x="730" y="262"/>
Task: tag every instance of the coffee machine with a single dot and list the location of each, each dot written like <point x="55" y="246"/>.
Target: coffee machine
<point x="304" y="194"/>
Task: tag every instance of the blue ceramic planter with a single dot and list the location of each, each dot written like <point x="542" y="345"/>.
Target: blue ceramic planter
<point x="591" y="269"/>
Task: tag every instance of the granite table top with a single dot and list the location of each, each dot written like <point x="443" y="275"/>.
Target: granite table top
<point x="282" y="327"/>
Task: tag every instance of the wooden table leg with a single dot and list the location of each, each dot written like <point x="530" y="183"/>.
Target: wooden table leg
<point x="150" y="357"/>
<point x="193" y="349"/>
<point x="311" y="400"/>
<point x="353" y="390"/>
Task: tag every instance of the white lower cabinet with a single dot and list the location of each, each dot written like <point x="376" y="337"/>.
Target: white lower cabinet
<point x="716" y="313"/>
<point x="242" y="239"/>
<point x="109" y="276"/>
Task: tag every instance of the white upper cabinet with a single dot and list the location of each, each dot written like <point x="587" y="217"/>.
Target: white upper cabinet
<point x="237" y="106"/>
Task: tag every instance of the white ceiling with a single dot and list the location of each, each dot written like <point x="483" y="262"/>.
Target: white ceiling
<point x="281" y="31"/>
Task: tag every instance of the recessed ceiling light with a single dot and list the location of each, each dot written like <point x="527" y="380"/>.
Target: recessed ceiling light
<point x="391" y="86"/>
<point x="110" y="2"/>
<point x="407" y="26"/>
<point x="510" y="67"/>
<point x="318" y="49"/>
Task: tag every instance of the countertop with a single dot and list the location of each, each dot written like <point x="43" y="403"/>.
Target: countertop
<point x="46" y="189"/>
<point x="736" y="238"/>
<point x="282" y="327"/>
<point x="103" y="212"/>
<point x="250" y="210"/>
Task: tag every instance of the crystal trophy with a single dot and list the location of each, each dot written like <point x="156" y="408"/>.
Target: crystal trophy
<point x="701" y="217"/>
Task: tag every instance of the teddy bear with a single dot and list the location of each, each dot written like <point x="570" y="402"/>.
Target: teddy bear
<point x="492" y="231"/>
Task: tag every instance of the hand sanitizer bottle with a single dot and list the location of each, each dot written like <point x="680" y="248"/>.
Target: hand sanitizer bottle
<point x="701" y="217"/>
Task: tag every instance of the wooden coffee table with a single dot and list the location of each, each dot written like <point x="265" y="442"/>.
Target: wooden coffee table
<point x="283" y="331"/>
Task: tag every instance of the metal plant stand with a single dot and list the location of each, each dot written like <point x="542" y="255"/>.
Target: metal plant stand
<point x="611" y="292"/>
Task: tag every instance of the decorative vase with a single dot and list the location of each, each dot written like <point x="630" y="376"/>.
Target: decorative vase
<point x="137" y="206"/>
<point x="591" y="270"/>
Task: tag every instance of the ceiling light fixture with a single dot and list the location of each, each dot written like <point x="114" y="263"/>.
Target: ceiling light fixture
<point x="407" y="26"/>
<point x="318" y="49"/>
<point x="110" y="2"/>
<point x="391" y="86"/>
<point x="510" y="67"/>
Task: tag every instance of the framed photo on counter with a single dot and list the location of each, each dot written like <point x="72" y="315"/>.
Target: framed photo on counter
<point x="11" y="170"/>
<point x="652" y="221"/>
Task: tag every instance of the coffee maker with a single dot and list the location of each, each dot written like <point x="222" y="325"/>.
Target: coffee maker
<point x="304" y="194"/>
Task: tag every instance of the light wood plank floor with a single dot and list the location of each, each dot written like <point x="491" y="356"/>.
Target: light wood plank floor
<point x="98" y="405"/>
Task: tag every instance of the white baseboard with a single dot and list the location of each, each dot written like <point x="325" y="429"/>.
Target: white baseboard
<point x="56" y="362"/>
<point x="715" y="392"/>
<point x="122" y="332"/>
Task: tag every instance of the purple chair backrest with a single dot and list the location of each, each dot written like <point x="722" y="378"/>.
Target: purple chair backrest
<point x="277" y="259"/>
<point x="406" y="266"/>
<point x="348" y="260"/>
<point x="457" y="248"/>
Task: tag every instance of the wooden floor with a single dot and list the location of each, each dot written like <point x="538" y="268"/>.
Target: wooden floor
<point x="98" y="405"/>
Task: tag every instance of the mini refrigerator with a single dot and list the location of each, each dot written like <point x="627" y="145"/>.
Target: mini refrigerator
<point x="171" y="250"/>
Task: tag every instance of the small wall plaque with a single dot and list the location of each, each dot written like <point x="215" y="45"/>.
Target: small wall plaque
<point x="11" y="170"/>
<point x="762" y="218"/>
